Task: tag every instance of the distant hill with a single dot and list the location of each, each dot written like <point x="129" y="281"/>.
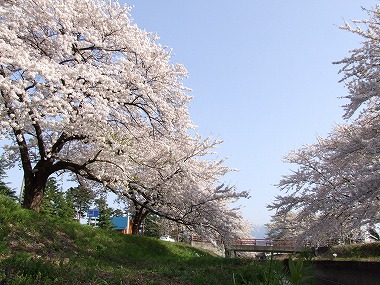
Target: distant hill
<point x="259" y="231"/>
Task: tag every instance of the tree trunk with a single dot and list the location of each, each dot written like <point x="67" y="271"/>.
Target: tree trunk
<point x="135" y="227"/>
<point x="34" y="188"/>
<point x="138" y="219"/>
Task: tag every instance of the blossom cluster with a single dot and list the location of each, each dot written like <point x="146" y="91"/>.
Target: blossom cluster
<point x="84" y="90"/>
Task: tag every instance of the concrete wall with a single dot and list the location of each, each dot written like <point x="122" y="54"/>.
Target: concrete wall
<point x="347" y="272"/>
<point x="209" y="247"/>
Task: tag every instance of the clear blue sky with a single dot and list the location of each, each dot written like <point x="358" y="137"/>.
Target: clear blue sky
<point x="262" y="77"/>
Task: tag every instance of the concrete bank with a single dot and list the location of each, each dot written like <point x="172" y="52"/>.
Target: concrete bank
<point x="332" y="272"/>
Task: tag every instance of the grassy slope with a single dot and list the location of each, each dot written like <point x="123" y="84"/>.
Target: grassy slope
<point x="359" y="252"/>
<point x="36" y="249"/>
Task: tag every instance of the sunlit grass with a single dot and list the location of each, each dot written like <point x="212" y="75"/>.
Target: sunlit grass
<point x="357" y="252"/>
<point x="38" y="249"/>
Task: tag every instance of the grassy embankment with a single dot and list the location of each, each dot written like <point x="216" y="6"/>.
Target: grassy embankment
<point x="354" y="252"/>
<point x="37" y="249"/>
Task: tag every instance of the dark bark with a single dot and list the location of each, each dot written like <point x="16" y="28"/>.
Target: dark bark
<point x="35" y="178"/>
<point x="33" y="193"/>
<point x="34" y="185"/>
<point x="138" y="218"/>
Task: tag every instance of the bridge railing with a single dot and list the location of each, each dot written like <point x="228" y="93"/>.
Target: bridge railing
<point x="264" y="242"/>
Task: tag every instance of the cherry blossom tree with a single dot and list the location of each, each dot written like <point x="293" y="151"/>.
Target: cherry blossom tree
<point x="335" y="190"/>
<point x="85" y="91"/>
<point x="199" y="200"/>
<point x="81" y="87"/>
<point x="361" y="69"/>
<point x="284" y="227"/>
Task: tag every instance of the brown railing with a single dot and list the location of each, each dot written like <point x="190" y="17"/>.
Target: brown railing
<point x="263" y="242"/>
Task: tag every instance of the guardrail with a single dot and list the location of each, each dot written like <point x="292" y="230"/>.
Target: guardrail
<point x="263" y="242"/>
<point x="263" y="245"/>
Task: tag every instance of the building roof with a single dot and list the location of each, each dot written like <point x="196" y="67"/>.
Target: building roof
<point x="120" y="223"/>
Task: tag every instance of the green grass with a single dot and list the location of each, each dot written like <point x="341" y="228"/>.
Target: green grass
<point x="38" y="249"/>
<point x="360" y="252"/>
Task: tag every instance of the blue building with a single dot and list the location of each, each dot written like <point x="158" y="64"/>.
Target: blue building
<point x="122" y="224"/>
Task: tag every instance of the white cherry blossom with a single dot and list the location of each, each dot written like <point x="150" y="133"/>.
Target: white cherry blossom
<point x="84" y="90"/>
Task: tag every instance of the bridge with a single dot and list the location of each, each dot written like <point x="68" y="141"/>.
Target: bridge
<point x="262" y="245"/>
